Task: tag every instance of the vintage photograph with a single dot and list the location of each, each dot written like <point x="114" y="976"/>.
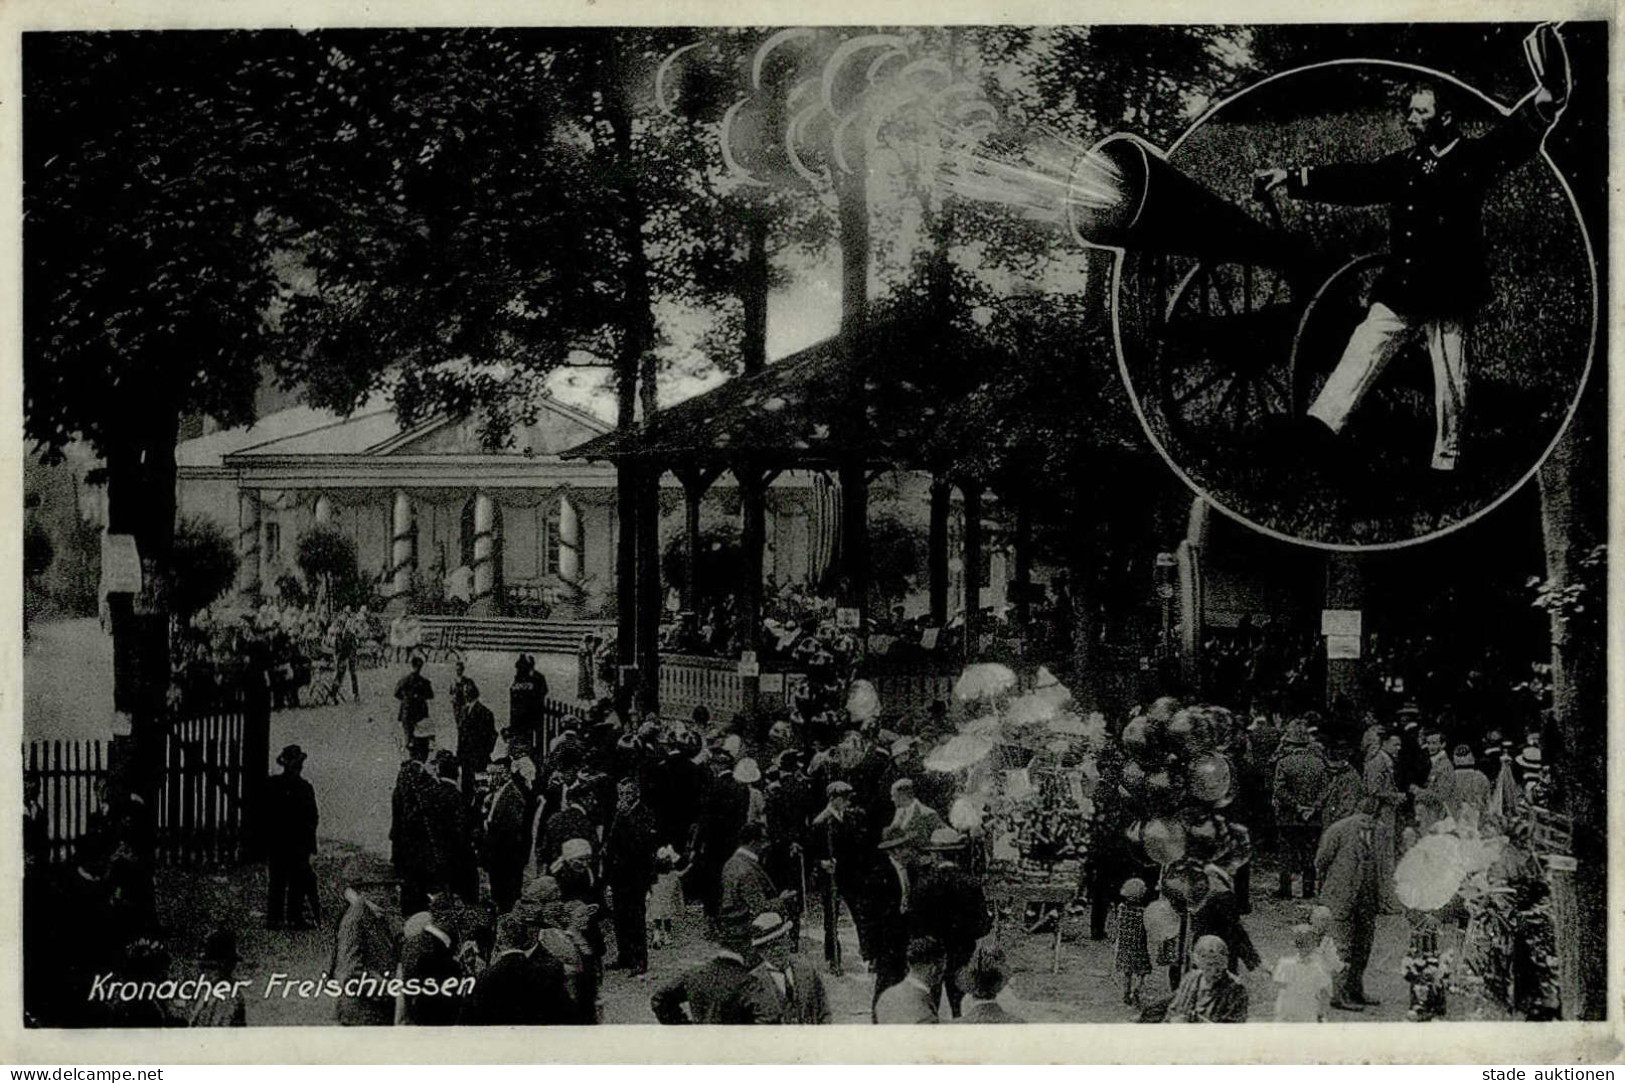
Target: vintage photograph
<point x="783" y="525"/>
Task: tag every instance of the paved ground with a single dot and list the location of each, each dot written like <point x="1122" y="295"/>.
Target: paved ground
<point x="354" y="753"/>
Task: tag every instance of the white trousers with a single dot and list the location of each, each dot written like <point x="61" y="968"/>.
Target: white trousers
<point x="1381" y="335"/>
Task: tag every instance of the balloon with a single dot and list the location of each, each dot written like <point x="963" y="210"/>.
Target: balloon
<point x="1162" y="709"/>
<point x="1431" y="873"/>
<point x="958" y="753"/>
<point x="1161" y="922"/>
<point x="1133" y="776"/>
<point x="863" y="702"/>
<point x="1164" y="841"/>
<point x="1137" y="737"/>
<point x="984" y="680"/>
<point x="1182" y="726"/>
<point x="1210" y="777"/>
<point x="964" y="815"/>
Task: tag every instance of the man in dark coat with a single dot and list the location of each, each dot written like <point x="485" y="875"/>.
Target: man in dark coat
<point x="521" y="988"/>
<point x="449" y="831"/>
<point x="507" y="835"/>
<point x="576" y="819"/>
<point x="431" y="956"/>
<point x="839" y="843"/>
<point x="747" y="889"/>
<point x="527" y="699"/>
<point x="789" y="992"/>
<point x="463" y="692"/>
<point x="414" y="692"/>
<point x="1437" y="275"/>
<point x="290" y="819"/>
<point x="1350" y="870"/>
<point x="1298" y="786"/>
<point x="724" y="805"/>
<point x="629" y="866"/>
<point x="948" y="905"/>
<point x="476" y="738"/>
<point x="408" y="828"/>
<point x="887" y="903"/>
<point x="723" y="990"/>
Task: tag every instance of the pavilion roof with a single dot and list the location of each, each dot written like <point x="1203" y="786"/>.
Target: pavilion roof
<point x="794" y="412"/>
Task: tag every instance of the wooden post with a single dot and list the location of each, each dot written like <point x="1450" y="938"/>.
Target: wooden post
<point x="753" y="481"/>
<point x="937" y="549"/>
<point x="650" y="604"/>
<point x="626" y="563"/>
<point x="972" y="552"/>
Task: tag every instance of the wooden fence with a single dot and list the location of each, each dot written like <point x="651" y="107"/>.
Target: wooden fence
<point x="206" y="773"/>
<point x="202" y="791"/>
<point x="68" y="773"/>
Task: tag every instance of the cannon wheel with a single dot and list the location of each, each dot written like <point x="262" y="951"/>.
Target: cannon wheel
<point x="1328" y="320"/>
<point x="1222" y="368"/>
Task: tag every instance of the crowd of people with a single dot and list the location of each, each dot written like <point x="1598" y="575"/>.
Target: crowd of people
<point x="291" y="645"/>
<point x="535" y="854"/>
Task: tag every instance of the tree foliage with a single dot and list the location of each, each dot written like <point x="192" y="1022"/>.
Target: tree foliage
<point x="209" y="561"/>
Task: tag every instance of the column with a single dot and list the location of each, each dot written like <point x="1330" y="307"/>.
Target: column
<point x="324" y="510"/>
<point x="972" y="493"/>
<point x="937" y="550"/>
<point x="403" y="551"/>
<point x="484" y="555"/>
<point x="248" y="542"/>
<point x="569" y="541"/>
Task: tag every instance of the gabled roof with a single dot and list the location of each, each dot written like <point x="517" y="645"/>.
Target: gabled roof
<point x="795" y="413"/>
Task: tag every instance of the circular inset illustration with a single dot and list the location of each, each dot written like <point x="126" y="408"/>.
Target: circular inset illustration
<point x="1355" y="304"/>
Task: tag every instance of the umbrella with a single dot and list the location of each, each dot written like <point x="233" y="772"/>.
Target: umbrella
<point x="1033" y="709"/>
<point x="1431" y="873"/>
<point x="987" y="726"/>
<point x="958" y="753"/>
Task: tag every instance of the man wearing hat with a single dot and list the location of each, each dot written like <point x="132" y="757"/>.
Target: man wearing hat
<point x="476" y="736"/>
<point x="629" y="866"/>
<point x="364" y="946"/>
<point x="948" y="905"/>
<point x="449" y="831"/>
<point x="431" y="954"/>
<point x="507" y="834"/>
<point x="414" y="692"/>
<point x="1298" y="786"/>
<point x="723" y="990"/>
<point x="839" y="842"/>
<point x="409" y="826"/>
<point x="290" y="818"/>
<point x="790" y="993"/>
<point x="887" y="904"/>
<point x="913" y="817"/>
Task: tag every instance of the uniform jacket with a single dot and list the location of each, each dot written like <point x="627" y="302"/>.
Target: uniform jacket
<point x="803" y="1003"/>
<point x="290" y="815"/>
<point x="1299" y="783"/>
<point x="718" y="991"/>
<point x="366" y="943"/>
<point x="1346" y="864"/>
<point x="1436" y="198"/>
<point x="526" y="699"/>
<point x="906" y="1003"/>
<point x="747" y="890"/>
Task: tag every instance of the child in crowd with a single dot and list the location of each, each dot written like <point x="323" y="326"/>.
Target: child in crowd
<point x="1303" y="988"/>
<point x="1133" y="960"/>
<point x="1320" y="919"/>
<point x="666" y="897"/>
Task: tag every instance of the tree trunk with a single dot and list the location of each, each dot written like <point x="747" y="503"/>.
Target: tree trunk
<point x="1081" y="560"/>
<point x="1570" y="525"/>
<point x="753" y="291"/>
<point x="853" y="199"/>
<point x="972" y="554"/>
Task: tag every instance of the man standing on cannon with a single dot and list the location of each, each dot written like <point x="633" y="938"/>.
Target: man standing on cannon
<point x="1436" y="276"/>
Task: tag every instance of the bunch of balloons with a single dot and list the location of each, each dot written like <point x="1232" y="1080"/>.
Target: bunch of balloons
<point x="1176" y="782"/>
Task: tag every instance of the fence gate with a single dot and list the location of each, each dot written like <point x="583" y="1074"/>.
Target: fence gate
<point x="70" y="775"/>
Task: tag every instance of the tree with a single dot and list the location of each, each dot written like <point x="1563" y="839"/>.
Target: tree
<point x="38" y="551"/>
<point x="206" y="552"/>
<point x="327" y="558"/>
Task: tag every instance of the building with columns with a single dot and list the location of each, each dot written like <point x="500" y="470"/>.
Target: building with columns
<point x="517" y="532"/>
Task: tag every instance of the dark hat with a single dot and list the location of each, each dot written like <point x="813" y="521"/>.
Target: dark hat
<point x="291" y="754"/>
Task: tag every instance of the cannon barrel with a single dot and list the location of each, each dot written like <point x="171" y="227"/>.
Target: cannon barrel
<point x="1124" y="194"/>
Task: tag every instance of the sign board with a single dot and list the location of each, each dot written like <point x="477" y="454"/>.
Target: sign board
<point x="772" y="682"/>
<point x="1340" y="622"/>
<point x="928" y="638"/>
<point x="748" y="665"/>
<point x="848" y="618"/>
<point x="121" y="564"/>
<point x="1342" y="647"/>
